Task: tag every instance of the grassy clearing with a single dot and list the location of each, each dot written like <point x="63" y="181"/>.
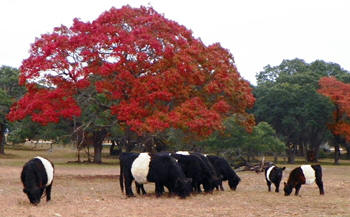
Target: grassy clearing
<point x="93" y="190"/>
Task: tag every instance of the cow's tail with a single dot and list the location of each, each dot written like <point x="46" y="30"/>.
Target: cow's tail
<point x="121" y="181"/>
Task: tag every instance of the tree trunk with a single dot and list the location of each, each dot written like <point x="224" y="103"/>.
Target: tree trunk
<point x="347" y="147"/>
<point x="98" y="153"/>
<point x="336" y="154"/>
<point x="275" y="158"/>
<point x="317" y="152"/>
<point x="337" y="150"/>
<point x="99" y="136"/>
<point x="2" y="139"/>
<point x="291" y="154"/>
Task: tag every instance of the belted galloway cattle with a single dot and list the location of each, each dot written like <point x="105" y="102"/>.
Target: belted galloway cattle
<point x="305" y="174"/>
<point x="225" y="172"/>
<point x="163" y="170"/>
<point x="37" y="177"/>
<point x="198" y="167"/>
<point x="273" y="174"/>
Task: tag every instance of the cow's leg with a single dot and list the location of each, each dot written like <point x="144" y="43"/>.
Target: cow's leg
<point x="221" y="187"/>
<point x="171" y="192"/>
<point x="277" y="185"/>
<point x="128" y="190"/>
<point x="297" y="189"/>
<point x="319" y="182"/>
<point x="159" y="189"/>
<point x="197" y="187"/>
<point x="48" y="192"/>
<point x="320" y="185"/>
<point x="143" y="190"/>
<point x="269" y="185"/>
<point x="140" y="188"/>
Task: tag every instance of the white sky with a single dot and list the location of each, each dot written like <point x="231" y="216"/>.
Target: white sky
<point x="257" y="32"/>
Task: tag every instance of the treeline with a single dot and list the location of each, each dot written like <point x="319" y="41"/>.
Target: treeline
<point x="291" y="98"/>
<point x="292" y="119"/>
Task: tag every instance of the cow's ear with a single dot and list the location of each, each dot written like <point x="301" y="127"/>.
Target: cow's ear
<point x="283" y="168"/>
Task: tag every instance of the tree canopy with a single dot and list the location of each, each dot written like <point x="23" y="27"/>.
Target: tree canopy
<point x="133" y="66"/>
<point x="287" y="98"/>
<point x="235" y="139"/>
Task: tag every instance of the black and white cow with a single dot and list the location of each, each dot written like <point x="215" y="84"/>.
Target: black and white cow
<point x="224" y="171"/>
<point x="198" y="167"/>
<point x="193" y="168"/>
<point x="37" y="177"/>
<point x="305" y="174"/>
<point x="273" y="174"/>
<point x="163" y="170"/>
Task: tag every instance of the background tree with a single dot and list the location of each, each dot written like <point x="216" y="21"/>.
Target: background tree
<point x="287" y="98"/>
<point x="9" y="92"/>
<point x="26" y="129"/>
<point x="136" y="69"/>
<point x="339" y="93"/>
<point x="264" y="140"/>
<point x="236" y="143"/>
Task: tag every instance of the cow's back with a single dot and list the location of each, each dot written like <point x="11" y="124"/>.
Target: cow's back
<point x="221" y="167"/>
<point x="34" y="174"/>
<point x="164" y="168"/>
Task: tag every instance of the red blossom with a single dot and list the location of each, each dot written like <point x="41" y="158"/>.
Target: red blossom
<point x="154" y="73"/>
<point x="339" y="94"/>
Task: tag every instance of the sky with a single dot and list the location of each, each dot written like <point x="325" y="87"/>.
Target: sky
<point x="256" y="32"/>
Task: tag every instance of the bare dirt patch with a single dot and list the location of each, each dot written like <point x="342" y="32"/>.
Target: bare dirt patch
<point x="90" y="191"/>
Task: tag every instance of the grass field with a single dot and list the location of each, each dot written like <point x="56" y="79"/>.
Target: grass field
<point x="89" y="190"/>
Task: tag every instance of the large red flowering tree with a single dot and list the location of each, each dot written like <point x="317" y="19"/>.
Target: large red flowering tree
<point x="339" y="94"/>
<point x="150" y="71"/>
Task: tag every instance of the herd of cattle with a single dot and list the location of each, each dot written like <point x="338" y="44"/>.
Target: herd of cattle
<point x="182" y="173"/>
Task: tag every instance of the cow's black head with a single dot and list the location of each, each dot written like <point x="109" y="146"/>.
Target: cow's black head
<point x="211" y="182"/>
<point x="209" y="185"/>
<point x="183" y="187"/>
<point x="34" y="194"/>
<point x="234" y="182"/>
<point x="287" y="189"/>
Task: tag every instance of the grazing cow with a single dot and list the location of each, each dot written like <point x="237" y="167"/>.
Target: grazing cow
<point x="163" y="170"/>
<point x="225" y="171"/>
<point x="305" y="174"/>
<point x="37" y="177"/>
<point x="194" y="168"/>
<point x="198" y="167"/>
<point x="273" y="174"/>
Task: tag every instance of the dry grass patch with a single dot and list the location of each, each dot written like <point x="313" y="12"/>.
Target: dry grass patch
<point x="93" y="190"/>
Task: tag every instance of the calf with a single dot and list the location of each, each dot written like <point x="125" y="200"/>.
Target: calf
<point x="163" y="170"/>
<point x="37" y="177"/>
<point x="273" y="174"/>
<point x="305" y="174"/>
<point x="225" y="171"/>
